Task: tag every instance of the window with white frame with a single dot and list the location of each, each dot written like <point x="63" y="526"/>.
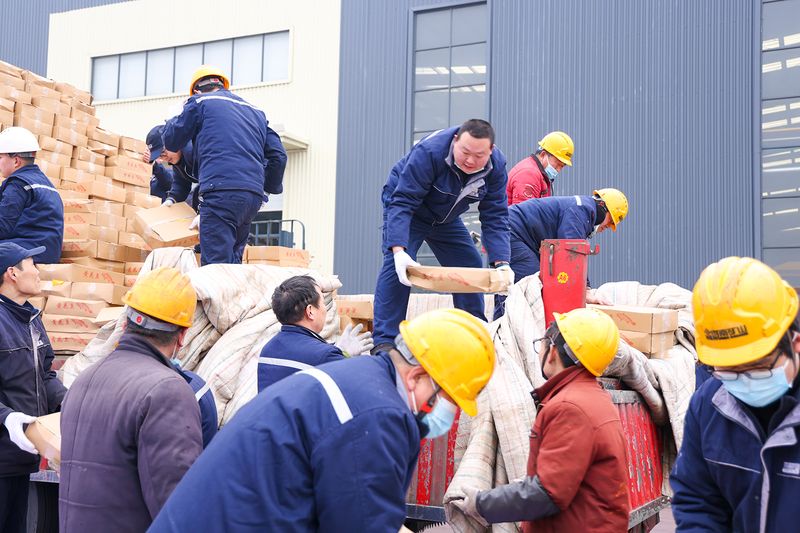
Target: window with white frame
<point x="248" y="60"/>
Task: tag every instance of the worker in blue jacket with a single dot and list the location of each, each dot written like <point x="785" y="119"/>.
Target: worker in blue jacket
<point x="161" y="181"/>
<point x="209" y="423"/>
<point x="299" y="306"/>
<point x="31" y="210"/>
<point x="333" y="448"/>
<point x="557" y="217"/>
<point x="238" y="157"/>
<point x="738" y="468"/>
<point x="178" y="182"/>
<point x="423" y="198"/>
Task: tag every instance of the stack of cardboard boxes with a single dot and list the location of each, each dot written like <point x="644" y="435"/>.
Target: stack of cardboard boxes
<point x="276" y="256"/>
<point x="650" y="330"/>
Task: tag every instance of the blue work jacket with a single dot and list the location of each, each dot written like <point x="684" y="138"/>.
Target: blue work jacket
<point x="730" y="475"/>
<point x="205" y="400"/>
<point x="294" y="348"/>
<point x="32" y="213"/>
<point x="161" y="181"/>
<point x="328" y="449"/>
<point x="554" y="217"/>
<point x="426" y="185"/>
<point x="234" y="148"/>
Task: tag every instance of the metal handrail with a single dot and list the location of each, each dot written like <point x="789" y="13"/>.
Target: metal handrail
<point x="274" y="230"/>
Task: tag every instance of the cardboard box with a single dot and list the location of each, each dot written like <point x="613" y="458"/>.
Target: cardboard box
<point x="103" y="136"/>
<point x="649" y="343"/>
<point x="130" y="280"/>
<point x="133" y="269"/>
<point x="139" y="190"/>
<point x="34" y="90"/>
<point x="101" y="178"/>
<point x="38" y="302"/>
<point x="67" y="323"/>
<point x="76" y="272"/>
<point x="49" y="169"/>
<point x="130" y="227"/>
<point x="56" y="287"/>
<point x="109" y="314"/>
<point x="37" y="127"/>
<point x="11" y="70"/>
<point x="71" y="136"/>
<point x="12" y="82"/>
<point x="54" y="145"/>
<point x="103" y="233"/>
<point x="102" y="148"/>
<point x="70" y="90"/>
<point x="52" y="105"/>
<point x="6" y="118"/>
<point x="12" y="93"/>
<point x="129" y="170"/>
<point x="45" y="434"/>
<point x="82" y="186"/>
<point x="34" y="79"/>
<point x="72" y="194"/>
<point x="79" y="248"/>
<point x="291" y="257"/>
<point x="106" y="192"/>
<point x="355" y="312"/>
<point x="111" y="221"/>
<point x="55" y="158"/>
<point x="135" y="254"/>
<point x="58" y="305"/>
<point x="132" y="240"/>
<point x="78" y="205"/>
<point x="88" y="166"/>
<point x="7" y="105"/>
<point x="142" y="200"/>
<point x="642" y="319"/>
<point x="130" y="210"/>
<point x="70" y="123"/>
<point x="458" y="279"/>
<point x="99" y="291"/>
<point x="81" y="115"/>
<point x="80" y="218"/>
<point x="55" y="181"/>
<point x="101" y="264"/>
<point x="111" y="252"/>
<point x="87" y="109"/>
<point x="111" y="208"/>
<point x="28" y="111"/>
<point x="69" y="342"/>
<point x="134" y="145"/>
<point x="167" y="226"/>
<point x="76" y="231"/>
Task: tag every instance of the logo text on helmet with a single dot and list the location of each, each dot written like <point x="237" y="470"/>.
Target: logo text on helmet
<point x="727" y="333"/>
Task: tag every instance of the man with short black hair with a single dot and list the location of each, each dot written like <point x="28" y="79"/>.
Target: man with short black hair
<point x="31" y="210"/>
<point x="426" y="193"/>
<point x="299" y="306"/>
<point x="130" y="426"/>
<point x="28" y="385"/>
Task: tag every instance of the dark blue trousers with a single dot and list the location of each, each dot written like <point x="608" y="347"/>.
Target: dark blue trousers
<point x="524" y="263"/>
<point x="225" y="218"/>
<point x="452" y="246"/>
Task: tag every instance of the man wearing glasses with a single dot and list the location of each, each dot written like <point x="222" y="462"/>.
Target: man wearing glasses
<point x="739" y="464"/>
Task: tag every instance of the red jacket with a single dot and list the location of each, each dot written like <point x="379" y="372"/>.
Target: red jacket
<point x="578" y="452"/>
<point x="527" y="180"/>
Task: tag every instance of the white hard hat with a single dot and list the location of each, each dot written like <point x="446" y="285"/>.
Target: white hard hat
<point x="17" y="141"/>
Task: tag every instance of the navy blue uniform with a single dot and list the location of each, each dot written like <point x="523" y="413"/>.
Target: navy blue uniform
<point x="294" y="348"/>
<point x="238" y="158"/>
<point x="329" y="449"/>
<point x="423" y="199"/>
<point x="184" y="177"/>
<point x="205" y="399"/>
<point x="161" y="181"/>
<point x="32" y="213"/>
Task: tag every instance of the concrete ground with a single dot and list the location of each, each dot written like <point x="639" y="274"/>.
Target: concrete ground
<point x="667" y="525"/>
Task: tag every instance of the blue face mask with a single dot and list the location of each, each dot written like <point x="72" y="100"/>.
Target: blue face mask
<point x="440" y="419"/>
<point x="759" y="392"/>
<point x="551" y="172"/>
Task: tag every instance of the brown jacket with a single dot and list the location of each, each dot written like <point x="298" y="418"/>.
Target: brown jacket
<point x="578" y="453"/>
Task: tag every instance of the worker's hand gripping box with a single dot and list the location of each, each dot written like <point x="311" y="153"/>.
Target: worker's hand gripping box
<point x="45" y="434"/>
<point x="354" y="312"/>
<point x="167" y="226"/>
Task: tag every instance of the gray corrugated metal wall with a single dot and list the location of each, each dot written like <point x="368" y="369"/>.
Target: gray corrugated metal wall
<point x="658" y="97"/>
<point x="24" y="28"/>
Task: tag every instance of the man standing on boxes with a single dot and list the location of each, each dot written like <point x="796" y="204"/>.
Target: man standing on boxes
<point x="238" y="156"/>
<point x="426" y="193"/>
<point x="28" y="386"/>
<point x="299" y="306"/>
<point x="130" y="425"/>
<point x="31" y="210"/>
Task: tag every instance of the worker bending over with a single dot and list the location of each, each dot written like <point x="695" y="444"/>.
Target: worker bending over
<point x="558" y="217"/>
<point x="130" y="425"/>
<point x="333" y="448"/>
<point x="738" y="468"/>
<point x="238" y="157"/>
<point x="578" y="466"/>
<point x="423" y="198"/>
<point x="533" y="177"/>
<point x="31" y="210"/>
<point x="299" y="306"/>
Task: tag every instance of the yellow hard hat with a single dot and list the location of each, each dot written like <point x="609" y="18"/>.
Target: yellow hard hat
<point x="165" y="294"/>
<point x="591" y="335"/>
<point x="616" y="203"/>
<point x="742" y="308"/>
<point x="206" y="71"/>
<point x="455" y="349"/>
<point x="560" y="145"/>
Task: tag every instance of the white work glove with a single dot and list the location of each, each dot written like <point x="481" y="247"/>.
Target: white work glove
<point x="505" y="269"/>
<point x="401" y="262"/>
<point x="16" y="432"/>
<point x="195" y="223"/>
<point x="469" y="505"/>
<point x="351" y="343"/>
<point x="169" y="202"/>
